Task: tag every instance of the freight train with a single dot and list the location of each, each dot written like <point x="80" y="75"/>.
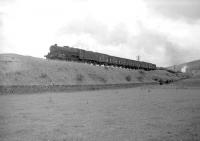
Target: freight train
<point x="74" y="54"/>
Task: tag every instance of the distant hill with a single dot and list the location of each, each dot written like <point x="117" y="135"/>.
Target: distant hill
<point x="27" y="70"/>
<point x="190" y="67"/>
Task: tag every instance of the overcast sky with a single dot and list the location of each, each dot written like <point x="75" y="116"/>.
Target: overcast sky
<point x="165" y="32"/>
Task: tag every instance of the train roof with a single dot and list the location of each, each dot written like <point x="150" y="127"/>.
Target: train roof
<point x="100" y="53"/>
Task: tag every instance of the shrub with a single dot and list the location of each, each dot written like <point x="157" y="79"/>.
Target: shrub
<point x="141" y="72"/>
<point x="43" y="75"/>
<point x="79" y="77"/>
<point x="140" y="78"/>
<point x="156" y="79"/>
<point x="18" y="73"/>
<point x="161" y="82"/>
<point x="128" y="78"/>
<point x="102" y="79"/>
<point x="106" y="67"/>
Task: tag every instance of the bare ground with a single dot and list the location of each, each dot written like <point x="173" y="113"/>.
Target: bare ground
<point x="136" y="114"/>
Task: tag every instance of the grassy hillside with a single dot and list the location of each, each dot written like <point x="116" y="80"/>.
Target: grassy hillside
<point x="26" y="70"/>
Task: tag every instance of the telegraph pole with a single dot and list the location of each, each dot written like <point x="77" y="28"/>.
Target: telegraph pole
<point x="174" y="67"/>
<point x="138" y="58"/>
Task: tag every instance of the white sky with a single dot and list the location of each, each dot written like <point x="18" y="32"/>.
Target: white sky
<point x="159" y="31"/>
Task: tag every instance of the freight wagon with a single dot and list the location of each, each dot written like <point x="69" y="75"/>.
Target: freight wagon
<point x="80" y="55"/>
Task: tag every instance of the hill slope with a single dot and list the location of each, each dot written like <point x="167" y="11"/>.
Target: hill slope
<point x="190" y="67"/>
<point x="26" y="70"/>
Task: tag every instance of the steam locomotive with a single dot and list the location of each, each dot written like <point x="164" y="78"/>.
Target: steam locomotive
<point x="74" y="54"/>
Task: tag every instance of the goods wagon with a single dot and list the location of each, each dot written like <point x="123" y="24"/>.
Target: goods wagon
<point x="80" y="55"/>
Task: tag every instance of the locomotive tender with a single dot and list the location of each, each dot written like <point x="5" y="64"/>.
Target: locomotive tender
<point x="80" y="55"/>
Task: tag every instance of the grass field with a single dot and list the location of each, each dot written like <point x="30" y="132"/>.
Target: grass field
<point x="136" y="114"/>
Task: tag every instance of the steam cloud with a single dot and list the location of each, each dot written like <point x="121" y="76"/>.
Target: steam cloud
<point x="151" y="45"/>
<point x="185" y="9"/>
<point x="1" y="36"/>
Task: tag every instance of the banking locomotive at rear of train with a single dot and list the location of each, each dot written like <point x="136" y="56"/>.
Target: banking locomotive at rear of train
<point x="80" y="55"/>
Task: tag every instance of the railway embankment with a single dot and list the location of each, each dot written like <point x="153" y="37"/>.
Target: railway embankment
<point x="21" y="74"/>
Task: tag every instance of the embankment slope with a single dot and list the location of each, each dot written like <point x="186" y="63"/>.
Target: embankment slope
<point x="27" y="70"/>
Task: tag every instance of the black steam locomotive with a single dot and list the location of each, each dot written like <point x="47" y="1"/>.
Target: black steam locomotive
<point x="80" y="55"/>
